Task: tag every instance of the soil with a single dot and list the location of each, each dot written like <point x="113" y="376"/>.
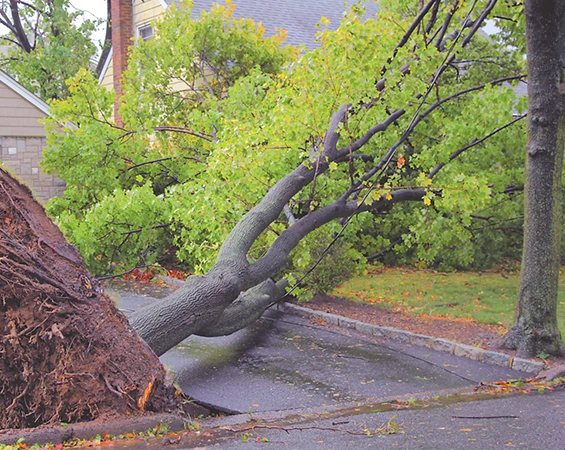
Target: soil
<point x="458" y="330"/>
<point x="66" y="353"/>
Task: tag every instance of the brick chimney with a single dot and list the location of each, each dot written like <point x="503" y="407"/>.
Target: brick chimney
<point x="122" y="34"/>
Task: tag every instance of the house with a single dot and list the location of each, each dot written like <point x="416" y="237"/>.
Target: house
<point x="132" y="20"/>
<point x="22" y="138"/>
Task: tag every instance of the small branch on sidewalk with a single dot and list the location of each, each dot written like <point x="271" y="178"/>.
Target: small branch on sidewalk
<point x="485" y="417"/>
<point x="289" y="429"/>
<point x="389" y="427"/>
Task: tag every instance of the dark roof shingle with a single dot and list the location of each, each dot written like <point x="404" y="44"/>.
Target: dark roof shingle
<point x="297" y="17"/>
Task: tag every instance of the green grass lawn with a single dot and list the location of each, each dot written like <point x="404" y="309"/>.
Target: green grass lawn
<point x="485" y="297"/>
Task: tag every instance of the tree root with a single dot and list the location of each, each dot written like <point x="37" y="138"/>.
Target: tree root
<point x="68" y="357"/>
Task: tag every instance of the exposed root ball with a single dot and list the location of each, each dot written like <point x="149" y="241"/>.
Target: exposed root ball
<point x="66" y="353"/>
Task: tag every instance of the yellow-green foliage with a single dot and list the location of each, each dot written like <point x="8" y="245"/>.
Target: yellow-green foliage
<point x="250" y="110"/>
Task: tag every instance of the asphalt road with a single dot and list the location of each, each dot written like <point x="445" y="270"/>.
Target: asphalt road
<point x="529" y="421"/>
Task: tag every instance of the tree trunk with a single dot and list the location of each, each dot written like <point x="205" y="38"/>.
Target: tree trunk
<point x="535" y="330"/>
<point x="66" y="353"/>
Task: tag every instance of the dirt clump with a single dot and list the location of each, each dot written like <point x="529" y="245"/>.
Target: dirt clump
<point x="66" y="353"/>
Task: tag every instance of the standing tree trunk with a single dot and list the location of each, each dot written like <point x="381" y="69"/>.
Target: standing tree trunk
<point x="535" y="330"/>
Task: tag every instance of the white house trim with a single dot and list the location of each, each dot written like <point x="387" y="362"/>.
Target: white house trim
<point x="23" y="92"/>
<point x="105" y="66"/>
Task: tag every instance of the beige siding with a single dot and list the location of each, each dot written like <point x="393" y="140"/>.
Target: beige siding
<point x="18" y="117"/>
<point x="22" y="141"/>
<point x="145" y="12"/>
<point x="108" y="78"/>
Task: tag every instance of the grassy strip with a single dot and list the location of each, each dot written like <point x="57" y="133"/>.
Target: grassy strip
<point x="484" y="297"/>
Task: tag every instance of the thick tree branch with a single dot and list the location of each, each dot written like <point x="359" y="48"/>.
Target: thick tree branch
<point x="246" y="232"/>
<point x="440" y="43"/>
<point x="433" y="18"/>
<point x="378" y="128"/>
<point x="274" y="260"/>
<point x="18" y="28"/>
<point x="417" y="21"/>
<point x="246" y="309"/>
<point x="479" y="22"/>
<point x="5" y="21"/>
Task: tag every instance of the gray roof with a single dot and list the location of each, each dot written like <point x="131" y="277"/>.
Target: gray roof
<point x="297" y="17"/>
<point x="521" y="88"/>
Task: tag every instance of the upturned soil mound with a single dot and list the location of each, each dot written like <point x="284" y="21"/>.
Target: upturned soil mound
<point x="66" y="353"/>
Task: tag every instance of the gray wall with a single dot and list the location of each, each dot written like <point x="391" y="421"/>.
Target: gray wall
<point x="21" y="156"/>
<point x="22" y="140"/>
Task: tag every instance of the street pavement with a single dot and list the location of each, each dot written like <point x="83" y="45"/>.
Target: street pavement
<point x="529" y="421"/>
<point x="332" y="387"/>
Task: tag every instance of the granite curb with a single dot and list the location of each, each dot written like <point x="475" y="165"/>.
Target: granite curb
<point x="406" y="337"/>
<point x="87" y="430"/>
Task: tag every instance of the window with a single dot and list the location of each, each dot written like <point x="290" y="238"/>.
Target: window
<point x="145" y="32"/>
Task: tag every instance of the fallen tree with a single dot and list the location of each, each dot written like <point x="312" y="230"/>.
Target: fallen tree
<point x="204" y="142"/>
<point x="205" y="300"/>
<point x="64" y="300"/>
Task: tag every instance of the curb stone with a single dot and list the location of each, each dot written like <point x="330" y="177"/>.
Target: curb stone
<point x="406" y="337"/>
<point x="87" y="430"/>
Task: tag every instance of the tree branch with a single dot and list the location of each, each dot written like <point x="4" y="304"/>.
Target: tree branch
<point x="478" y="23"/>
<point x="275" y="258"/>
<point x="185" y="131"/>
<point x="345" y="151"/>
<point x="475" y="142"/>
<point x="445" y="25"/>
<point x="159" y="160"/>
<point x="385" y="160"/>
<point x="246" y="309"/>
<point x="383" y="251"/>
<point x="18" y="28"/>
<point x="289" y="215"/>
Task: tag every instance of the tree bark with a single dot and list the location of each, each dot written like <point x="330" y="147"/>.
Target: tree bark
<point x="17" y="28"/>
<point x="535" y="330"/>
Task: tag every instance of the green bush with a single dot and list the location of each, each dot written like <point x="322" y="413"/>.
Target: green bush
<point x="339" y="264"/>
